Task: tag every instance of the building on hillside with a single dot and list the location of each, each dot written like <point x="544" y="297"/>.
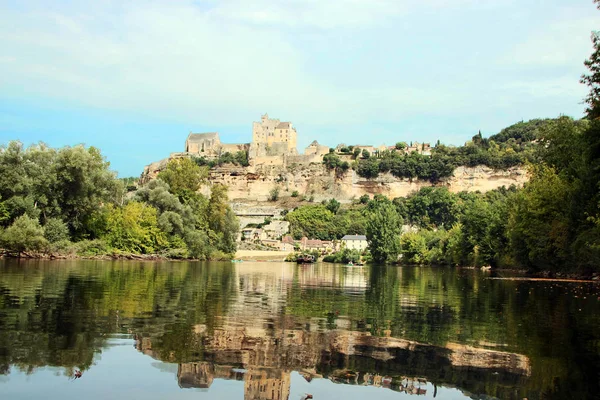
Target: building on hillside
<point x="370" y="149"/>
<point x="209" y="145"/>
<point x="316" y="149"/>
<point x="316" y="244"/>
<point x="355" y="242"/>
<point x="421" y="148"/>
<point x="271" y="137"/>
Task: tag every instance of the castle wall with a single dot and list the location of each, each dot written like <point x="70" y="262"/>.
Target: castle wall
<point x="234" y="147"/>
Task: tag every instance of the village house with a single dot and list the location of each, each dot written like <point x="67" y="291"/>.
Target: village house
<point x="355" y="242"/>
<point x="316" y="244"/>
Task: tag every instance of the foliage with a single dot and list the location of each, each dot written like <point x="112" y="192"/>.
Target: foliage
<point x="25" y="234"/>
<point x="513" y="146"/>
<point x="134" y="228"/>
<point x="239" y="158"/>
<point x="383" y="231"/>
<point x="295" y="193"/>
<point x="183" y="176"/>
<point x="592" y="79"/>
<point x="343" y="256"/>
<point x="74" y="195"/>
<point x="333" y="161"/>
<point x="274" y="194"/>
<point x="333" y="205"/>
<point x="56" y="230"/>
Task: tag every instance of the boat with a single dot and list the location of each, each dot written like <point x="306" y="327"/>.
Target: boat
<point x="305" y="259"/>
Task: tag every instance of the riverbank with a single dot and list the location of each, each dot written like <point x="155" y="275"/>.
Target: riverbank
<point x="260" y="255"/>
<point x="107" y="256"/>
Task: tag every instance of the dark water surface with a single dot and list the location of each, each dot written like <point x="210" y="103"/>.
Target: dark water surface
<point x="179" y="330"/>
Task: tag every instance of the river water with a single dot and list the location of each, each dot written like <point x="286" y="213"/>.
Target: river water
<point x="251" y="330"/>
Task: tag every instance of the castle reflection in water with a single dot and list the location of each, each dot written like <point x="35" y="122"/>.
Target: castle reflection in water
<point x="260" y="343"/>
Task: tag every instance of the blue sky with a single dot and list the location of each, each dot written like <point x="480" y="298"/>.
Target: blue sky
<point x="134" y="78"/>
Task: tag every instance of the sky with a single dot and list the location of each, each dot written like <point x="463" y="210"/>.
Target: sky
<point x="135" y="77"/>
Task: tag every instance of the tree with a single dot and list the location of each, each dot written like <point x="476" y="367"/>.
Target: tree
<point x="314" y="222"/>
<point x="25" y="234"/>
<point x="56" y="230"/>
<point x="134" y="228"/>
<point x="183" y="176"/>
<point x="333" y="205"/>
<point x="365" y="154"/>
<point x="383" y="231"/>
<point x="592" y="80"/>
<point x="401" y="145"/>
<point x="83" y="181"/>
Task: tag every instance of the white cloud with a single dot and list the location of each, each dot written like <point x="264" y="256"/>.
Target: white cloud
<point x="225" y="62"/>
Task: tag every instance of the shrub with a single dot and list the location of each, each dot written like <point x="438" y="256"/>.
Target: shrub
<point x="274" y="194"/>
<point x="55" y="230"/>
<point x="25" y="234"/>
<point x="90" y="248"/>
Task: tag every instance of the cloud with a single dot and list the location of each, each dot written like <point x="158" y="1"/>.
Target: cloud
<point x="225" y="62"/>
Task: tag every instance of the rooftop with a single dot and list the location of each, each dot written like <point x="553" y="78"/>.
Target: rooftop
<point x="354" y="237"/>
<point x="203" y="136"/>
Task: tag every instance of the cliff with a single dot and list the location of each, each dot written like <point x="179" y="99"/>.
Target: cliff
<point x="256" y="183"/>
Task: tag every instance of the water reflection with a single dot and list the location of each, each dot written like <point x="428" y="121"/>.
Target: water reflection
<point x="409" y="330"/>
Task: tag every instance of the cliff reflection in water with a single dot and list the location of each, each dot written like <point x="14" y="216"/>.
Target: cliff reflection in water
<point x="407" y="329"/>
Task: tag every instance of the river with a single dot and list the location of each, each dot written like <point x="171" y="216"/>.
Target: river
<point x="269" y="330"/>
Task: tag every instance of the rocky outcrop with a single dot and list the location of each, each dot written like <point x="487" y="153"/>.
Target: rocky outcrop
<point x="256" y="183"/>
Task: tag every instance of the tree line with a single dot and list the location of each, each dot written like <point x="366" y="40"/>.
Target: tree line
<point x="68" y="201"/>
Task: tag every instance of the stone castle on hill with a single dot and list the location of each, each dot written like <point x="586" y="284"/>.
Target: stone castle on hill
<point x="273" y="144"/>
<point x="270" y="138"/>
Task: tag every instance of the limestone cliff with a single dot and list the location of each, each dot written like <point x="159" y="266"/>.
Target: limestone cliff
<point x="255" y="183"/>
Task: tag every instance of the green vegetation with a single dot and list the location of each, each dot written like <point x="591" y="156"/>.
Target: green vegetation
<point x="321" y="222"/>
<point x="274" y="194"/>
<point x="68" y="201"/>
<point x="513" y="146"/>
<point x="343" y="256"/>
<point x="239" y="158"/>
<point x="384" y="226"/>
<point x="333" y="161"/>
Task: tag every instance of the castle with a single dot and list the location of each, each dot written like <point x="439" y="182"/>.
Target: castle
<point x="273" y="144"/>
<point x="270" y="138"/>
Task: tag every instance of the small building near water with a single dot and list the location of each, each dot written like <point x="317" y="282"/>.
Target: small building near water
<point x="355" y="242"/>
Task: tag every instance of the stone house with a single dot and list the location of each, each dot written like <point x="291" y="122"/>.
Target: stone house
<point x="355" y="242"/>
<point x="209" y="145"/>
<point x="316" y="244"/>
<point x="316" y="149"/>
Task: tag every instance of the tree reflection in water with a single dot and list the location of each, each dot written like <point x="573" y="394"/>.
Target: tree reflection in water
<point x="384" y="326"/>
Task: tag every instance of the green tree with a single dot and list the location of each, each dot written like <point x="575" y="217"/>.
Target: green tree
<point x="134" y="228"/>
<point x="314" y="222"/>
<point x="383" y="231"/>
<point x="592" y="79"/>
<point x="25" y="234"/>
<point x="183" y="176"/>
<point x="55" y="230"/>
<point x="333" y="205"/>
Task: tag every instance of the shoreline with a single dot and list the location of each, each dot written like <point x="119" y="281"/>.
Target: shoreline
<point x="279" y="256"/>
